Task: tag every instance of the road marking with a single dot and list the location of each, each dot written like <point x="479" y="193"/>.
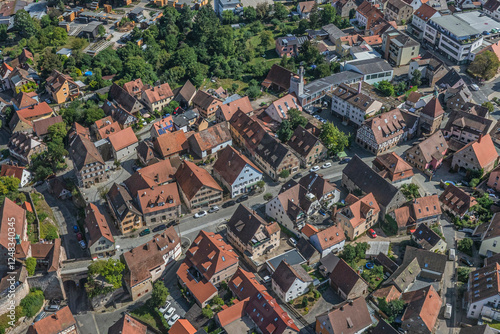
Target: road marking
<point x="201" y="227"/>
<point x="95" y="323"/>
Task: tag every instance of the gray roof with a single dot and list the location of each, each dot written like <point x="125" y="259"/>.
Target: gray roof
<point x="331" y="80"/>
<point x="427" y="260"/>
<point x="426" y="237"/>
<point x="333" y="31"/>
<point x="457" y="26"/>
<point x="373" y="65"/>
<point x="306" y="249"/>
<point x="482" y="329"/>
<point x="285" y="275"/>
<point x="329" y="262"/>
<point x="292" y="257"/>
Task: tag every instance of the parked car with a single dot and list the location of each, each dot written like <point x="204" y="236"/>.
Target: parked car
<point x="159" y="228"/>
<point x="228" y="204"/>
<point x="372" y="233"/>
<point x="293" y="242"/>
<point x="213" y="209"/>
<point x="52" y="308"/>
<point x="447" y="311"/>
<point x="164" y="308"/>
<point x="82" y="244"/>
<point x="76" y="229"/>
<point x="200" y="214"/>
<point x="344" y="161"/>
<point x="266" y="279"/>
<point x="327" y="165"/>
<point x="297" y="176"/>
<point x="314" y="169"/>
<point x="169" y="313"/>
<point x="174" y="319"/>
<point x="173" y="223"/>
<point x="40" y="316"/>
<point x="79" y="236"/>
<point x="144" y="232"/>
<point x="242" y="198"/>
<point x="474" y="87"/>
<point x="466" y="261"/>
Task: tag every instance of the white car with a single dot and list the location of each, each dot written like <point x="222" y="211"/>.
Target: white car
<point x="474" y="87"/>
<point x="293" y="242"/>
<point x="323" y="121"/>
<point x="327" y="165"/>
<point x="202" y="213"/>
<point x="169" y="313"/>
<point x="314" y="169"/>
<point x="172" y="321"/>
<point x="164" y="308"/>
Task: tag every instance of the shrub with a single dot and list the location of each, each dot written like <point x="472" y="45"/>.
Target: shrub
<point x="32" y="303"/>
<point x="285" y="173"/>
<point x="207" y="312"/>
<point x="305" y="302"/>
<point x="465" y="246"/>
<point x="268" y="196"/>
<point x="31" y="265"/>
<point x="463" y="274"/>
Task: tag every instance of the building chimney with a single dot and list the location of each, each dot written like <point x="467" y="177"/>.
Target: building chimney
<point x="359" y="87"/>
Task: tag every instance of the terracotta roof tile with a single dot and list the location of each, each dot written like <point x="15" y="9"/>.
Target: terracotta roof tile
<point x="308" y="230"/>
<point x="230" y="108"/>
<point x="170" y="143"/>
<point x="230" y="163"/>
<point x="192" y="178"/>
<point x="212" y="137"/>
<point x="97" y="225"/>
<point x="423" y="304"/>
<point x="122" y="139"/>
<point x="158" y="93"/>
<point x="41" y="126"/>
<point x="182" y="326"/>
<point x="232" y="313"/>
<point x="158" y="198"/>
<point x="483" y="148"/>
<point x="54" y="323"/>
<point x="128" y="325"/>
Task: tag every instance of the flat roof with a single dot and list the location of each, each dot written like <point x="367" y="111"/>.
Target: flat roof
<point x="334" y="79"/>
<point x="479" y="21"/>
<point x="377" y="247"/>
<point x="292" y="257"/>
<point x="455" y="25"/>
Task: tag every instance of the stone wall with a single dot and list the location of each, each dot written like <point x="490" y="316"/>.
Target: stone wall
<point x="100" y="302"/>
<point x="50" y="284"/>
<point x="20" y="292"/>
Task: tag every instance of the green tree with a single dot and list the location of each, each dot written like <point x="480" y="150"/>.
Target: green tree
<point x="463" y="274"/>
<point x="285" y="131"/>
<point x="101" y="30"/>
<point x="361" y="249"/>
<point x="32" y="303"/>
<point x="93" y="114"/>
<point x="8" y="184"/>
<point x="253" y="92"/>
<point x="57" y="132"/>
<point x="266" y="38"/>
<point x="309" y="53"/>
<point x="228" y="17"/>
<point x="489" y="106"/>
<point x="391" y="309"/>
<point x="333" y="139"/>
<point x="280" y="11"/>
<point x="30" y="265"/>
<point x="24" y="24"/>
<point x="159" y="294"/>
<point x="305" y="302"/>
<point x="328" y="15"/>
<point x="110" y="269"/>
<point x="250" y="14"/>
<point x="218" y="301"/>
<point x="465" y="246"/>
<point x="207" y="312"/>
<point x="416" y="79"/>
<point x="296" y="118"/>
<point x="261" y="184"/>
<point x="485" y="65"/>
<point x="410" y="191"/>
<point x="284" y="173"/>
<point x="262" y="10"/>
<point x="385" y="88"/>
<point x="349" y="253"/>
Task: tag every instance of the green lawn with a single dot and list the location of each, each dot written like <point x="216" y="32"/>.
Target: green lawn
<point x="495" y="325"/>
<point x="151" y="317"/>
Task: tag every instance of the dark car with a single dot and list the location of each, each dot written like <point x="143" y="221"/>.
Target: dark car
<point x="159" y="228"/>
<point x="173" y="223"/>
<point x="466" y="261"/>
<point x="297" y="176"/>
<point x="242" y="198"/>
<point x="344" y="161"/>
<point x="228" y="204"/>
<point x="145" y="232"/>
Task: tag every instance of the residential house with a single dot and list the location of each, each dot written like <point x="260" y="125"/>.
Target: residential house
<point x="19" y="78"/>
<point x="492" y="179"/>
<point x="247" y="131"/>
<point x="491" y="7"/>
<point x="358" y="175"/>
<point x="146" y="152"/>
<point x="164" y="125"/>
<point x="24" y="100"/>
<point x="158" y="97"/>
<point x="367" y="15"/>
<point x="373" y="70"/>
<point x="423" y="210"/>
<point x="278" y="110"/>
<point x="404" y="276"/>
<point x="20" y="173"/>
<point x="226" y="111"/>
<point x="135" y="87"/>
<point x="393" y="168"/>
<point x="88" y="163"/>
<point x="431" y="68"/>
<point x="61" y="87"/>
<point x="452" y="79"/>
<point x="384" y="261"/>
<point x="308" y="251"/>
<point x="41" y="126"/>
<point x="252" y="236"/>
<point x="197" y="187"/>
<point x="185" y="94"/>
<point x="457" y="98"/>
<point x="58" y="188"/>
<point x="273" y="157"/>
<point x="182" y="326"/>
<point x="278" y="79"/>
<point x="483" y="292"/>
<point x="464" y="126"/>
<point x="206" y="104"/>
<point x="422" y="309"/>
<point x="120" y="114"/>
<point x="431" y="116"/>
<point x="329" y="240"/>
<point x="305" y="8"/>
<point x="307" y="147"/>
<point x="101" y="242"/>
<point x="170" y="144"/>
<point x="23" y="146"/>
<point x="398" y="11"/>
<point x="490" y="236"/>
<point x="22" y="120"/>
<point x="160" y="203"/>
<point x="346" y="282"/>
<point x="235" y="171"/>
<point x="429" y="240"/>
<point x="384" y="131"/>
<point x="359" y="215"/>
<point x="479" y="155"/>
<point x="323" y="190"/>
<point x="290" y="281"/>
<point x="289" y="45"/>
<point x="349" y="317"/>
<point x="208" y="262"/>
<point x="399" y="49"/>
<point x="124" y="100"/>
<point x="421" y="16"/>
<point x="61" y="321"/>
<point x="344" y="7"/>
<point x="429" y="153"/>
<point x="124" y="143"/>
<point x="387" y="293"/>
<point x="211" y="140"/>
<point x="457" y="201"/>
<point x="353" y="105"/>
<point x="126" y="215"/>
<point x="12" y="219"/>
<point x="128" y="324"/>
<point x="109" y="128"/>
<point x="146" y="263"/>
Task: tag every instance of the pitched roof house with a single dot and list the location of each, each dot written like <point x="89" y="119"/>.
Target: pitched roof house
<point x="346" y="282"/>
<point x="422" y="310"/>
<point x="278" y="110"/>
<point x="41" y="126"/>
<point x="128" y="325"/>
<point x="185" y="94"/>
<point x="61" y="87"/>
<point x="101" y="242"/>
<point x="423" y="210"/>
<point x="431" y="116"/>
<point x="429" y="153"/>
<point x="134" y="87"/>
<point x="347" y="318"/>
<point x="290" y="281"/>
<point x="358" y="215"/>
<point x="197" y="187"/>
<point x="182" y="326"/>
<point x="61" y="321"/>
<point x="20" y="173"/>
<point x="329" y="240"/>
<point x="273" y="157"/>
<point x="477" y="155"/>
<point x="482" y="291"/>
<point x="428" y="239"/>
<point x="162" y="126"/>
<point x="23" y="119"/>
<point x="208" y="262"/>
<point x="206" y="104"/>
<point x="457" y="201"/>
<point x="124" y="100"/>
<point x="393" y="168"/>
<point x="465" y="126"/>
<point x="278" y="79"/>
<point x="123" y="209"/>
<point x="87" y="161"/>
<point x="23" y="146"/>
<point x="490" y="236"/>
<point x="158" y="97"/>
<point x="210" y="140"/>
<point x="308" y="148"/>
<point x="12" y="216"/>
<point x="159" y="203"/>
<point x="123" y="143"/>
<point x="226" y="111"/>
<point x="170" y="144"/>
<point x="269" y="316"/>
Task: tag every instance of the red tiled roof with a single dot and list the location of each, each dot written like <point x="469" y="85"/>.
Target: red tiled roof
<point x="38" y="110"/>
<point x="232" y="313"/>
<point x="423" y="304"/>
<point x="41" y="126"/>
<point x="122" y="139"/>
<point x="170" y="143"/>
<point x="182" y="326"/>
<point x="54" y="323"/>
<point x="308" y="230"/>
<point x="230" y="163"/>
<point x="244" y="284"/>
<point x="192" y="178"/>
<point x="108" y="130"/>
<point x="15" y="171"/>
<point x="483" y="148"/>
<point x="230" y="108"/>
<point x="97" y="224"/>
<point x="159" y="93"/>
<point x="128" y="325"/>
<point x="433" y="108"/>
<point x="159" y="198"/>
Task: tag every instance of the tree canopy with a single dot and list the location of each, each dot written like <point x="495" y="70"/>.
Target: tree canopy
<point x="333" y="139"/>
<point x="485" y="65"/>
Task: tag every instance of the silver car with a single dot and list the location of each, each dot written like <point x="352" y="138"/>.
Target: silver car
<point x="172" y="321"/>
<point x="169" y="313"/>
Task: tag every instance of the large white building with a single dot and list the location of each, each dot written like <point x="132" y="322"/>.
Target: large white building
<point x="484" y="293"/>
<point x="353" y="105"/>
